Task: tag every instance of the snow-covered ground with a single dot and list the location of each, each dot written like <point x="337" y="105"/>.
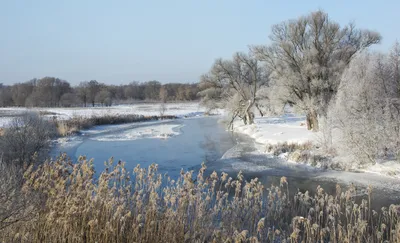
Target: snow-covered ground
<point x="291" y="128"/>
<point x="274" y="130"/>
<point x="387" y="168"/>
<point x="146" y="109"/>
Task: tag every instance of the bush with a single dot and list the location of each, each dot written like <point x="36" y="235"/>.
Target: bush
<point x="27" y="135"/>
<point x="16" y="206"/>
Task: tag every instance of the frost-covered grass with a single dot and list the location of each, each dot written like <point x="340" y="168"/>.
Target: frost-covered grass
<point x="148" y="207"/>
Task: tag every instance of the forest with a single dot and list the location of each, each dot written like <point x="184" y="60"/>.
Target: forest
<point x="55" y="92"/>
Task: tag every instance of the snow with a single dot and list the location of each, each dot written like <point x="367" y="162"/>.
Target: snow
<point x="274" y="130"/>
<point x="290" y="128"/>
<point x="189" y="109"/>
<point x="69" y="142"/>
<point x="388" y="168"/>
<point x="4" y="121"/>
<point x="162" y="131"/>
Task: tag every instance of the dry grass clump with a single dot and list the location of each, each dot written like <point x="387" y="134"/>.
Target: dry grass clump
<point x="77" y="123"/>
<point x="146" y="206"/>
<point x="280" y="148"/>
<point x="305" y="153"/>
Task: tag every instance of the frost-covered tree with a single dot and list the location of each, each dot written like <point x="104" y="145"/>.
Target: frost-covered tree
<point x="104" y="97"/>
<point x="394" y="67"/>
<point x="366" y="111"/>
<point x="307" y="57"/>
<point x="234" y="85"/>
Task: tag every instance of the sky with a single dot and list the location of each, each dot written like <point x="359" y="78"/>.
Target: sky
<point x="117" y="42"/>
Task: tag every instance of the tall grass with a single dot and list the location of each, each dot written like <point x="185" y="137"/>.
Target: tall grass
<point x="145" y="206"/>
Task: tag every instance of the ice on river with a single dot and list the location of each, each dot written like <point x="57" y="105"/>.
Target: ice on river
<point x="161" y="131"/>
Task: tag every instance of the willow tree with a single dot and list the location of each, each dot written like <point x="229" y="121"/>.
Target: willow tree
<point x="234" y="85"/>
<point x="307" y="57"/>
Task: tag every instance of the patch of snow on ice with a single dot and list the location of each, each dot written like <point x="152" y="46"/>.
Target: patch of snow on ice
<point x="249" y="167"/>
<point x="69" y="142"/>
<point x="157" y="131"/>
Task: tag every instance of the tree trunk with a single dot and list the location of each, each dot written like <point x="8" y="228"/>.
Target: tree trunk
<point x="312" y="120"/>
<point x="249" y="116"/>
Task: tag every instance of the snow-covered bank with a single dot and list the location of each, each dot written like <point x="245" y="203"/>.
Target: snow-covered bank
<point x="146" y="109"/>
<point x="275" y="130"/>
<point x="291" y="129"/>
<point x="387" y="168"/>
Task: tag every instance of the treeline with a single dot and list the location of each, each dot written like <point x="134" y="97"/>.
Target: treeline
<point x="55" y="92"/>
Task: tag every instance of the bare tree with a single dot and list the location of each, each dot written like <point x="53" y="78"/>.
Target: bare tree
<point x="47" y="92"/>
<point x="83" y="92"/>
<point x="394" y="66"/>
<point x="163" y="96"/>
<point x="93" y="88"/>
<point x="103" y="97"/>
<point x="307" y="57"/>
<point x="152" y="90"/>
<point x="21" y="91"/>
<point x="69" y="100"/>
<point x="5" y="96"/>
<point x="234" y="84"/>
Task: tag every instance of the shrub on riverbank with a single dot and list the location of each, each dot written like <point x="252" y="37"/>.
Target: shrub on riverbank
<point x="149" y="207"/>
<point x="25" y="139"/>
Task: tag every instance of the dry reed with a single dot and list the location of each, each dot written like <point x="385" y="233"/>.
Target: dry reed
<point x="145" y="206"/>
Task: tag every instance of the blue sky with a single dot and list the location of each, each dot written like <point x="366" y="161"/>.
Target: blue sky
<point x="167" y="40"/>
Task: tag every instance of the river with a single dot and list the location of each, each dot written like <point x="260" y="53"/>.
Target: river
<point x="205" y="139"/>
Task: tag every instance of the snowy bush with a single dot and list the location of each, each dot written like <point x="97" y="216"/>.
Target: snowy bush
<point x="27" y="135"/>
<point x="366" y="112"/>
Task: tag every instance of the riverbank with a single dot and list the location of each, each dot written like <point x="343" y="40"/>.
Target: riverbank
<point x="287" y="137"/>
<point x="142" y="109"/>
<point x="76" y="124"/>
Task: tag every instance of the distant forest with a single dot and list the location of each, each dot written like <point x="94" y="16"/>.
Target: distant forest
<point x="55" y="92"/>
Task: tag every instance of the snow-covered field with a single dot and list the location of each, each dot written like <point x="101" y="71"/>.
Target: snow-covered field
<point x="177" y="109"/>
